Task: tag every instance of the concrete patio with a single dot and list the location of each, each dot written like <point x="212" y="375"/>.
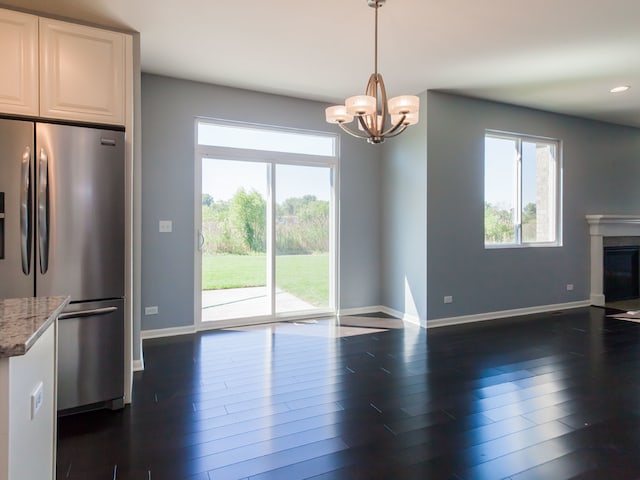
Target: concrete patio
<point x="246" y="302"/>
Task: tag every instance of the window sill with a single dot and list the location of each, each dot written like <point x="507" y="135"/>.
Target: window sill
<point x="492" y="246"/>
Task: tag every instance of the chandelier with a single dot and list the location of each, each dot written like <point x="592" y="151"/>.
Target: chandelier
<point x="377" y="117"/>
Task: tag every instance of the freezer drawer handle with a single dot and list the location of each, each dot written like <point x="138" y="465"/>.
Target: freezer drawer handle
<point x="87" y="313"/>
<point x="25" y="208"/>
<point x="110" y="142"/>
<point x="43" y="211"/>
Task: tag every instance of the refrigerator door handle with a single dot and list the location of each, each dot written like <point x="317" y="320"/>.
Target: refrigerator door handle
<point x="43" y="211"/>
<point x="87" y="313"/>
<point x="25" y="211"/>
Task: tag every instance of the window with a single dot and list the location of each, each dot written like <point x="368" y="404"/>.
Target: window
<point x="521" y="190"/>
<point x="256" y="137"/>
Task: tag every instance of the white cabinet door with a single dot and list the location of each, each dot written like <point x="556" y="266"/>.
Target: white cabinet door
<point x="28" y="444"/>
<point x="82" y="73"/>
<point x="19" y="60"/>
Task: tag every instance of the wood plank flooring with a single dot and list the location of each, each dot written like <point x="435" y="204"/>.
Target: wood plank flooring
<point x="553" y="396"/>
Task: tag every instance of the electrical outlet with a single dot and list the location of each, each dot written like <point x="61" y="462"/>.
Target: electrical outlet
<point x="569" y="287"/>
<point x="151" y="310"/>
<point x="448" y="299"/>
<point x="165" y="226"/>
<point x="37" y="397"/>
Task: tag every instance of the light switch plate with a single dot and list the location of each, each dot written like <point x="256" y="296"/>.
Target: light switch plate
<point x="165" y="226"/>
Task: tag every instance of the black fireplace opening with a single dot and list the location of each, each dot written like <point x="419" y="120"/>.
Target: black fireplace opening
<point x="621" y="267"/>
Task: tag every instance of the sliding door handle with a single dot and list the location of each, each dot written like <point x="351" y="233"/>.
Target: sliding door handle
<point x="200" y="240"/>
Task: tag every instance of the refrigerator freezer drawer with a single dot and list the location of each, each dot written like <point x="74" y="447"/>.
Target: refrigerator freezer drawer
<point x="90" y="354"/>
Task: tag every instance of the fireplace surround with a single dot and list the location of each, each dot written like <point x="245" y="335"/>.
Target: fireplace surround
<point x="601" y="227"/>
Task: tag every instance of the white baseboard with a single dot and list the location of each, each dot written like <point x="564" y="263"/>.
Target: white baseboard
<point x="597" y="300"/>
<point x="381" y="308"/>
<point x="405" y="317"/>
<point x="482" y="317"/>
<point x="167" y="332"/>
<point x="360" y="310"/>
<point x="138" y="365"/>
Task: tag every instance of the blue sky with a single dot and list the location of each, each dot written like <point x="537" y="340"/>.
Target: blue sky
<point x="500" y="172"/>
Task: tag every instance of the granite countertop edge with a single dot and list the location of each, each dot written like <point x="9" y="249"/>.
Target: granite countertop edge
<point x="36" y="315"/>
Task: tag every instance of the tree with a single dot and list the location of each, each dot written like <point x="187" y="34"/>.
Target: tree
<point x="316" y="210"/>
<point x="529" y="213"/>
<point x="529" y="222"/>
<point x="498" y="224"/>
<point x="247" y="212"/>
<point x="207" y="199"/>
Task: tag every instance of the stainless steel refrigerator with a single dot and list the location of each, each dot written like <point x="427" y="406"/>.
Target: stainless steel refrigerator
<point x="62" y="233"/>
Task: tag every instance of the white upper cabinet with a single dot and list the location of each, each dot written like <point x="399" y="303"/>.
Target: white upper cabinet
<point x="62" y="70"/>
<point x="19" y="60"/>
<point x="82" y="73"/>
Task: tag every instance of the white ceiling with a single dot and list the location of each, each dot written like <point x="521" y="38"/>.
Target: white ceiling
<point x="556" y="55"/>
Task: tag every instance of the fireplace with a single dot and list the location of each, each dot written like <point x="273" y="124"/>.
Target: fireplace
<point x="621" y="265"/>
<point x="620" y="232"/>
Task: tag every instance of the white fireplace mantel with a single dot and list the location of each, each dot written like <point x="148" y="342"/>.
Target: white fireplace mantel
<point x="601" y="226"/>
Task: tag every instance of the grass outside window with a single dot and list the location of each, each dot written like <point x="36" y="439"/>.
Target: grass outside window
<point x="304" y="276"/>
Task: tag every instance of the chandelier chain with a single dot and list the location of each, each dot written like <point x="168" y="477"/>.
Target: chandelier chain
<point x="375" y="62"/>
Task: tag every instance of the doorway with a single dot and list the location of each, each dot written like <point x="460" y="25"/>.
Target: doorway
<point x="266" y="245"/>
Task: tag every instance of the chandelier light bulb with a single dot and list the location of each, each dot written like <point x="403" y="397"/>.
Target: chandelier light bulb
<point x="409" y="118"/>
<point x="404" y="104"/>
<point x="369" y="122"/>
<point x="361" y="105"/>
<point x="338" y="114"/>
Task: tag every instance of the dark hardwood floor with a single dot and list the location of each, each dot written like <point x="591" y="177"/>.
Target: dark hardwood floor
<point x="552" y="396"/>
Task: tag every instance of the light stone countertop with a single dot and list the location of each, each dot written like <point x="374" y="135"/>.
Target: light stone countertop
<point x="24" y="320"/>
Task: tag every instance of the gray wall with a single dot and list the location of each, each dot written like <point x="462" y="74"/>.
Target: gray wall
<point x="432" y="175"/>
<point x="404" y="236"/>
<point x="169" y="107"/>
<point x="601" y="167"/>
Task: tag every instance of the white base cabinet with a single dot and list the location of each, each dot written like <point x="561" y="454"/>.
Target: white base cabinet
<point x="28" y="438"/>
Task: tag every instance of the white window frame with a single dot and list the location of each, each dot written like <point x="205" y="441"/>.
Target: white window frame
<point x="271" y="158"/>
<point x="519" y="139"/>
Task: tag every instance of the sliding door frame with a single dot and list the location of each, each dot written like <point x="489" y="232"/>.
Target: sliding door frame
<point x="272" y="159"/>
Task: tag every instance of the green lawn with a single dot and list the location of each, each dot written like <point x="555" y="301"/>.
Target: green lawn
<point x="305" y="276"/>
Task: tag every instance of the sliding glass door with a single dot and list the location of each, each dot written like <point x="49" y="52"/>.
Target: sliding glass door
<point x="266" y="245"/>
<point x="303" y="238"/>
<point x="234" y="233"/>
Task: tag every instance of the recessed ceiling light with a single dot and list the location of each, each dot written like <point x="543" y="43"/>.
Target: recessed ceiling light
<point x="620" y="89"/>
